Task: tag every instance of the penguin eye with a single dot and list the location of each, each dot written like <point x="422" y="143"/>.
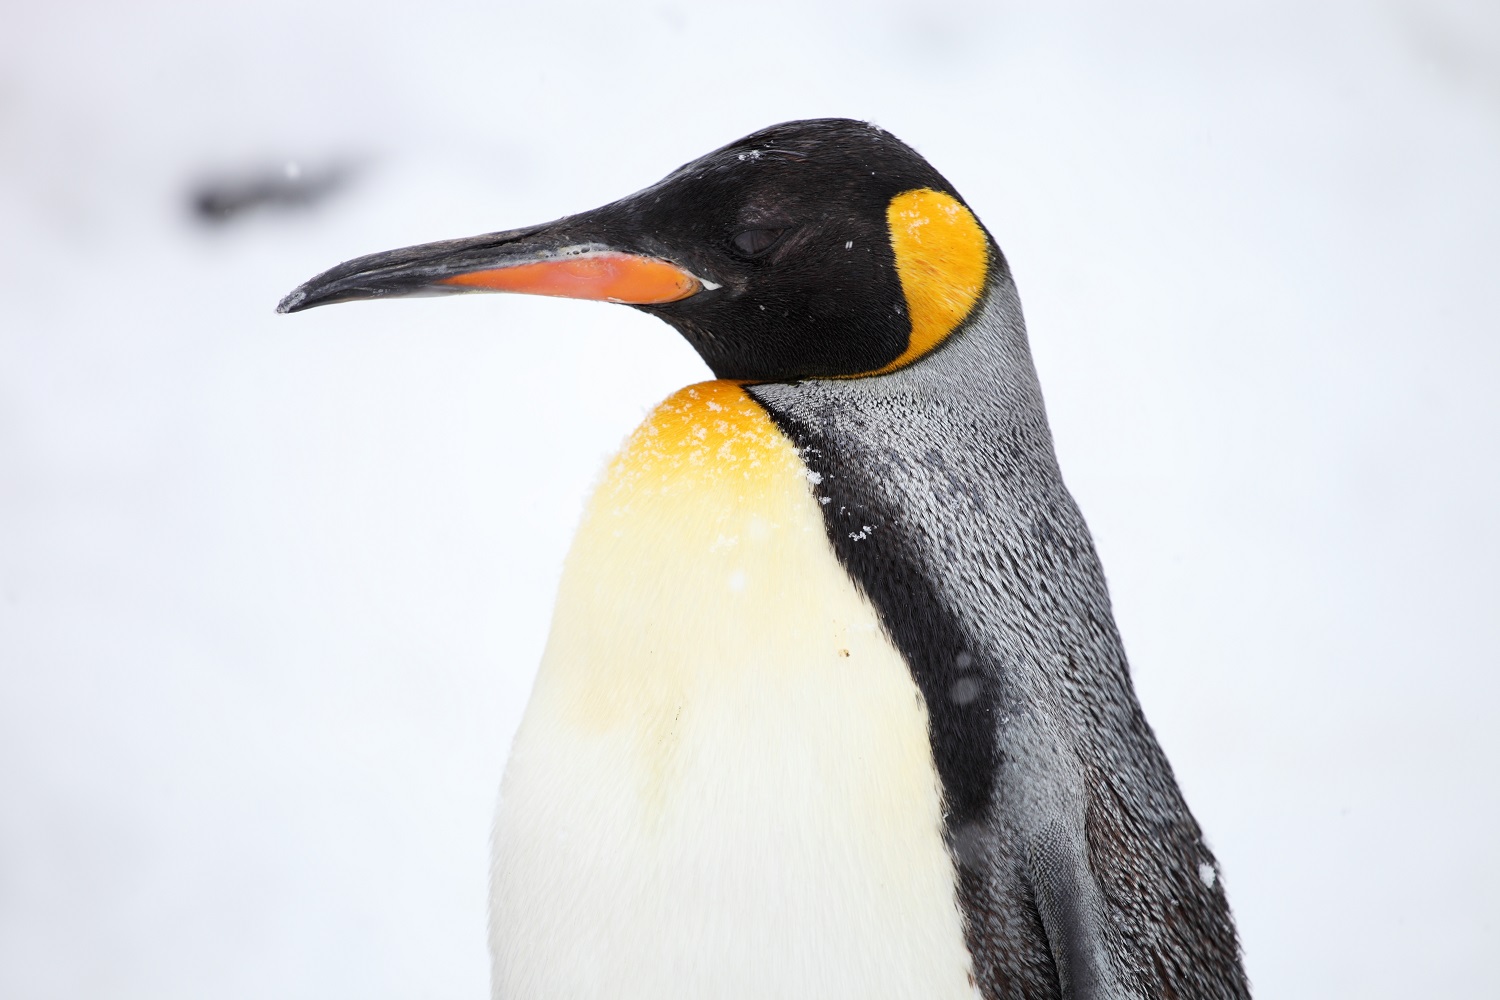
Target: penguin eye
<point x="754" y="242"/>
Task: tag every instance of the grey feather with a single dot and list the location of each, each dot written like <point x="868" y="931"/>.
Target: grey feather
<point x="1078" y="872"/>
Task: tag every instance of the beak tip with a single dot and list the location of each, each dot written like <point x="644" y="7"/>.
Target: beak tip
<point x="293" y="302"/>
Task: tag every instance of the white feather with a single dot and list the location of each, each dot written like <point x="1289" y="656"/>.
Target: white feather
<point x="723" y="785"/>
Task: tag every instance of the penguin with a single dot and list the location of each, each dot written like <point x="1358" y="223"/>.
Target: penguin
<point x="833" y="703"/>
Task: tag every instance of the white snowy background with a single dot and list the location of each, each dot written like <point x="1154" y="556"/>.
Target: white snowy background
<point x="272" y="588"/>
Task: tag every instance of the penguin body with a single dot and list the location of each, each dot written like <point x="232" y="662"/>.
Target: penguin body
<point x="749" y="806"/>
<point x="833" y="703"/>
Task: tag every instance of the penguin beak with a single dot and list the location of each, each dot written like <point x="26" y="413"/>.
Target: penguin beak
<point x="558" y="259"/>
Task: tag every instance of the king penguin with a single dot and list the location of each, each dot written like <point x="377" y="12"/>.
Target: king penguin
<point x="833" y="704"/>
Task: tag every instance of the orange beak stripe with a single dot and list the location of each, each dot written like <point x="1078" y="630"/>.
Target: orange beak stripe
<point x="608" y="277"/>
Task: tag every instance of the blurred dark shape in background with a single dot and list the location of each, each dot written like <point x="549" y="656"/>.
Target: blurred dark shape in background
<point x="291" y="186"/>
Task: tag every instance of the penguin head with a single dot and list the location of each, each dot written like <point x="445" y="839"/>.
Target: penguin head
<point x="812" y="249"/>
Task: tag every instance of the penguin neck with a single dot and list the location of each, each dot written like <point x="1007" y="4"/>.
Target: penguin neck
<point x="980" y="377"/>
<point x="943" y="499"/>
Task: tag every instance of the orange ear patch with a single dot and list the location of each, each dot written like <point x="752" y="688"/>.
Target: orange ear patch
<point x="942" y="257"/>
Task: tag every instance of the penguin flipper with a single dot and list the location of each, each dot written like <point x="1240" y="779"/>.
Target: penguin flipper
<point x="1073" y="916"/>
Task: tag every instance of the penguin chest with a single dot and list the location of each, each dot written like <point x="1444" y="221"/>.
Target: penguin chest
<point x="723" y="784"/>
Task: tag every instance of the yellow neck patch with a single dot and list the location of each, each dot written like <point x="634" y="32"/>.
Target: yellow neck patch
<point x="709" y="436"/>
<point x="942" y="257"/>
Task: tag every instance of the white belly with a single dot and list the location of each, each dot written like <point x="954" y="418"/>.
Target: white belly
<point x="723" y="785"/>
